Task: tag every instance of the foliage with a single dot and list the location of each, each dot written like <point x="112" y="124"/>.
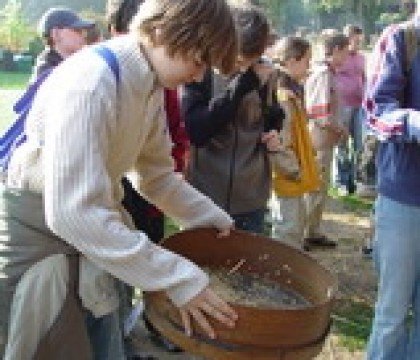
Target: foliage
<point x="15" y="32"/>
<point x="33" y="9"/>
<point x="352" y="202"/>
<point x="352" y="323"/>
<point x="13" y="80"/>
<point x="391" y="18"/>
<point x="35" y="46"/>
<point x="328" y="5"/>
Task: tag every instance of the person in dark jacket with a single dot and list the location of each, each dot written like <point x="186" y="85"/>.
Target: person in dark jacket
<point x="226" y="120"/>
<point x="64" y="33"/>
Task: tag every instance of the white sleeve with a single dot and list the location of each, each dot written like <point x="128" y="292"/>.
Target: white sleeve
<point x="318" y="100"/>
<point x="81" y="208"/>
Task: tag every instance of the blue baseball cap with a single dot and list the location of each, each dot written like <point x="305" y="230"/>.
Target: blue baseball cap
<point x="61" y="18"/>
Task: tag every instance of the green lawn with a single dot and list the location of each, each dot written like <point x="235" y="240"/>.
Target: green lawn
<point x="352" y="323"/>
<point x="13" y="81"/>
<point x="352" y="202"/>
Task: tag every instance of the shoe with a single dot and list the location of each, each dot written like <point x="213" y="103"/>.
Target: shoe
<point x="366" y="191"/>
<point x="144" y="356"/>
<point x="367" y="252"/>
<point x="342" y="190"/>
<point x="133" y="353"/>
<point x="318" y="241"/>
<point x="159" y="340"/>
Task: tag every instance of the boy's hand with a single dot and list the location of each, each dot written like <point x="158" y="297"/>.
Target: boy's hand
<point x="272" y="140"/>
<point x="340" y="133"/>
<point x="207" y="303"/>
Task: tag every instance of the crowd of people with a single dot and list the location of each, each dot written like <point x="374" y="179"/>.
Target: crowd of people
<point x="197" y="110"/>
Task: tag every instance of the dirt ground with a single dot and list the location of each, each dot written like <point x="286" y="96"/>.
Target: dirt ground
<point x="356" y="279"/>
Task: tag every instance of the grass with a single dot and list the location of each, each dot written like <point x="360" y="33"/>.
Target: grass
<point x="352" y="323"/>
<point x="13" y="80"/>
<point x="352" y="202"/>
<point x="170" y="227"/>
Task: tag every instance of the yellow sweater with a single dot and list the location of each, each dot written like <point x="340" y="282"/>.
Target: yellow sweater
<point x="301" y="145"/>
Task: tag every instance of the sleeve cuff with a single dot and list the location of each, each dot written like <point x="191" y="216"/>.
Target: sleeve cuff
<point x="190" y="287"/>
<point x="412" y="129"/>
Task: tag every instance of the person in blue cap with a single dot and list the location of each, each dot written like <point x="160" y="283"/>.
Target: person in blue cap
<point x="64" y="33"/>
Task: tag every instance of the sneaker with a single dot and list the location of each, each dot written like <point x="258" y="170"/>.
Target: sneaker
<point x="318" y="241"/>
<point x="342" y="190"/>
<point x="366" y="191"/>
<point x="367" y="252"/>
<point x="142" y="356"/>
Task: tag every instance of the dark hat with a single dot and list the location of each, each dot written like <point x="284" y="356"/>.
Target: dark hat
<point x="61" y="18"/>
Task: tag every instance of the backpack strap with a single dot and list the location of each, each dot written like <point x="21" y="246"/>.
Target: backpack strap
<point x="110" y="58"/>
<point x="15" y="135"/>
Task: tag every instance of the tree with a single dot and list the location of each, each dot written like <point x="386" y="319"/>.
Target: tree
<point x="15" y="32"/>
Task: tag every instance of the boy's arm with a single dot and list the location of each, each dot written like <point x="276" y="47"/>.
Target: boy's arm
<point x="386" y="114"/>
<point x="81" y="208"/>
<point x="206" y="116"/>
<point x="318" y="99"/>
<point x="282" y="156"/>
<point x="155" y="179"/>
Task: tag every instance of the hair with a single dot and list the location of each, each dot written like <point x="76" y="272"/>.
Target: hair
<point x="351" y="30"/>
<point x="290" y="47"/>
<point x="93" y="35"/>
<point x="253" y="30"/>
<point x="339" y="41"/>
<point x="190" y="28"/>
<point x="120" y="14"/>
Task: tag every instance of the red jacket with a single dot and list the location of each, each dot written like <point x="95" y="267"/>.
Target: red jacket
<point x="176" y="129"/>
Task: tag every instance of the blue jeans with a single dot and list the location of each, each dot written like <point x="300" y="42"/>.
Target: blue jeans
<point x="252" y="221"/>
<point x="397" y="259"/>
<point x="346" y="151"/>
<point x="105" y="336"/>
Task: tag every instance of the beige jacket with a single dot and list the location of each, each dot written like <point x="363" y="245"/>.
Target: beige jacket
<point x="82" y="138"/>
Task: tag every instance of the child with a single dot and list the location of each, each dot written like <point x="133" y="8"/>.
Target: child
<point x="91" y="124"/>
<point x="326" y="130"/>
<point x="292" y="56"/>
<point x="225" y="123"/>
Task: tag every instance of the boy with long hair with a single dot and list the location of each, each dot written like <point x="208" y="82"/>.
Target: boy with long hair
<point x="95" y="119"/>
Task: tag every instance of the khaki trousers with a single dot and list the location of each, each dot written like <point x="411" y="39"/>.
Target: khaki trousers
<point x="315" y="201"/>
